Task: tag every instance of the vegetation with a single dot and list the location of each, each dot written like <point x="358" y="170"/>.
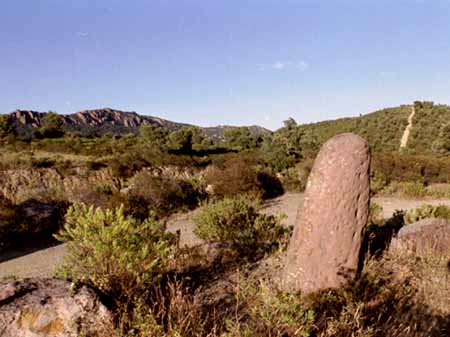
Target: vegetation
<point x="237" y="223"/>
<point x="119" y="255"/>
<point x="122" y="187"/>
<point x="426" y="212"/>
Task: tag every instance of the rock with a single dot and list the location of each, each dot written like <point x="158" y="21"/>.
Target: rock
<point x="40" y="217"/>
<point x="324" y="251"/>
<point x="50" y="307"/>
<point x="427" y="235"/>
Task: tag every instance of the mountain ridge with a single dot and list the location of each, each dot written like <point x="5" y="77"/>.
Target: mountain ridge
<point x="114" y="121"/>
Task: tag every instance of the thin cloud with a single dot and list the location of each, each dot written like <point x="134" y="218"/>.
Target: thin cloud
<point x="279" y="65"/>
<point x="285" y="65"/>
<point x="82" y="34"/>
<point x="302" y="65"/>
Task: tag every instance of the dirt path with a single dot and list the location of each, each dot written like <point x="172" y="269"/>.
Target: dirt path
<point x="43" y="263"/>
<point x="405" y="136"/>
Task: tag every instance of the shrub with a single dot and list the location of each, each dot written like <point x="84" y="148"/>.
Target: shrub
<point x="239" y="176"/>
<point x="234" y="178"/>
<point x="375" y="213"/>
<point x="270" y="184"/>
<point x="164" y="195"/>
<point x="238" y="224"/>
<point x="119" y="255"/>
<point x="377" y="304"/>
<point x="427" y="211"/>
<point x="409" y="189"/>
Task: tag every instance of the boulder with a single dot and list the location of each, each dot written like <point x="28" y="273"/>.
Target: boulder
<point x="40" y="217"/>
<point x="53" y="308"/>
<point x="427" y="235"/>
<point x="324" y="251"/>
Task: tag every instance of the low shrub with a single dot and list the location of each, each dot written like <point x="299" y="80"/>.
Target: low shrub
<point x="438" y="190"/>
<point x="377" y="304"/>
<point x="408" y="189"/>
<point x="237" y="223"/>
<point x="237" y="176"/>
<point x="234" y="178"/>
<point x="375" y="213"/>
<point x="164" y="195"/>
<point x="119" y="255"/>
<point x="427" y="211"/>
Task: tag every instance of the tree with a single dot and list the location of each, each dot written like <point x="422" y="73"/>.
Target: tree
<point x="186" y="140"/>
<point x="290" y="123"/>
<point x="283" y="148"/>
<point x="52" y="126"/>
<point x="240" y="138"/>
<point x="155" y="137"/>
<point x="442" y="143"/>
<point x="7" y="126"/>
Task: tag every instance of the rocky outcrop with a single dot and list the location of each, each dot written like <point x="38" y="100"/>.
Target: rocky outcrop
<point x="112" y="121"/>
<point x="53" y="308"/>
<point x="98" y="119"/>
<point x="427" y="235"/>
<point x="324" y="251"/>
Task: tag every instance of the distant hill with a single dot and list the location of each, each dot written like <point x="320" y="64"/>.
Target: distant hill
<point x="384" y="129"/>
<point x="109" y="120"/>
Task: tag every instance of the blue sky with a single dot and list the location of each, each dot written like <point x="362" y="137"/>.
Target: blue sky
<point x="215" y="62"/>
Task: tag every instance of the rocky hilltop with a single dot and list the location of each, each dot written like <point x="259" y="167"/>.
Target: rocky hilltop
<point x="105" y="119"/>
<point x="111" y="120"/>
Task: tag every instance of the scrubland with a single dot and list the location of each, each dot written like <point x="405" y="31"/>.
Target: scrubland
<point x="109" y="197"/>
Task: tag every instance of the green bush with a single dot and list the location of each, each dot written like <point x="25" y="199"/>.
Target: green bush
<point x="119" y="255"/>
<point x="237" y="223"/>
<point x="408" y="189"/>
<point x="427" y="211"/>
<point x="375" y="213"/>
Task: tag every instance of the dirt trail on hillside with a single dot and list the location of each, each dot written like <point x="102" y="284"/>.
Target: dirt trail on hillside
<point x="405" y="136"/>
<point x="43" y="263"/>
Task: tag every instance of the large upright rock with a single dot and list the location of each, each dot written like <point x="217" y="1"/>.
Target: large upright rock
<point x="324" y="251"/>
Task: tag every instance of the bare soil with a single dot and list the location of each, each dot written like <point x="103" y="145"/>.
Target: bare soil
<point x="42" y="263"/>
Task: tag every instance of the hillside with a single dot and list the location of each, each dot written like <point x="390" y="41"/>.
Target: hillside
<point x="383" y="129"/>
<point x="430" y="129"/>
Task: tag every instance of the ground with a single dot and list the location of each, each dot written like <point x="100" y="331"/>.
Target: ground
<point x="34" y="262"/>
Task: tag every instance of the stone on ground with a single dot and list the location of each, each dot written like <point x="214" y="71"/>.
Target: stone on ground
<point x="427" y="235"/>
<point x="324" y="251"/>
<point x="50" y="307"/>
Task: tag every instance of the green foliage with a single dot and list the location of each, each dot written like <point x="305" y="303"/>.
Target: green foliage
<point x="7" y="126"/>
<point x="186" y="140"/>
<point x="119" y="255"/>
<point x="383" y="129"/>
<point x="284" y="148"/>
<point x="426" y="212"/>
<point x="52" y="126"/>
<point x="375" y="213"/>
<point x="407" y="188"/>
<point x="240" y="138"/>
<point x="154" y="138"/>
<point x="237" y="223"/>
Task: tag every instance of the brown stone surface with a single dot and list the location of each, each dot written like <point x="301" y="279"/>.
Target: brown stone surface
<point x="324" y="251"/>
<point x="50" y="307"/>
<point x="427" y="235"/>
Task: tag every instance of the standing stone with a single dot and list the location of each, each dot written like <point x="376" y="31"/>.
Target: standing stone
<point x="324" y="251"/>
